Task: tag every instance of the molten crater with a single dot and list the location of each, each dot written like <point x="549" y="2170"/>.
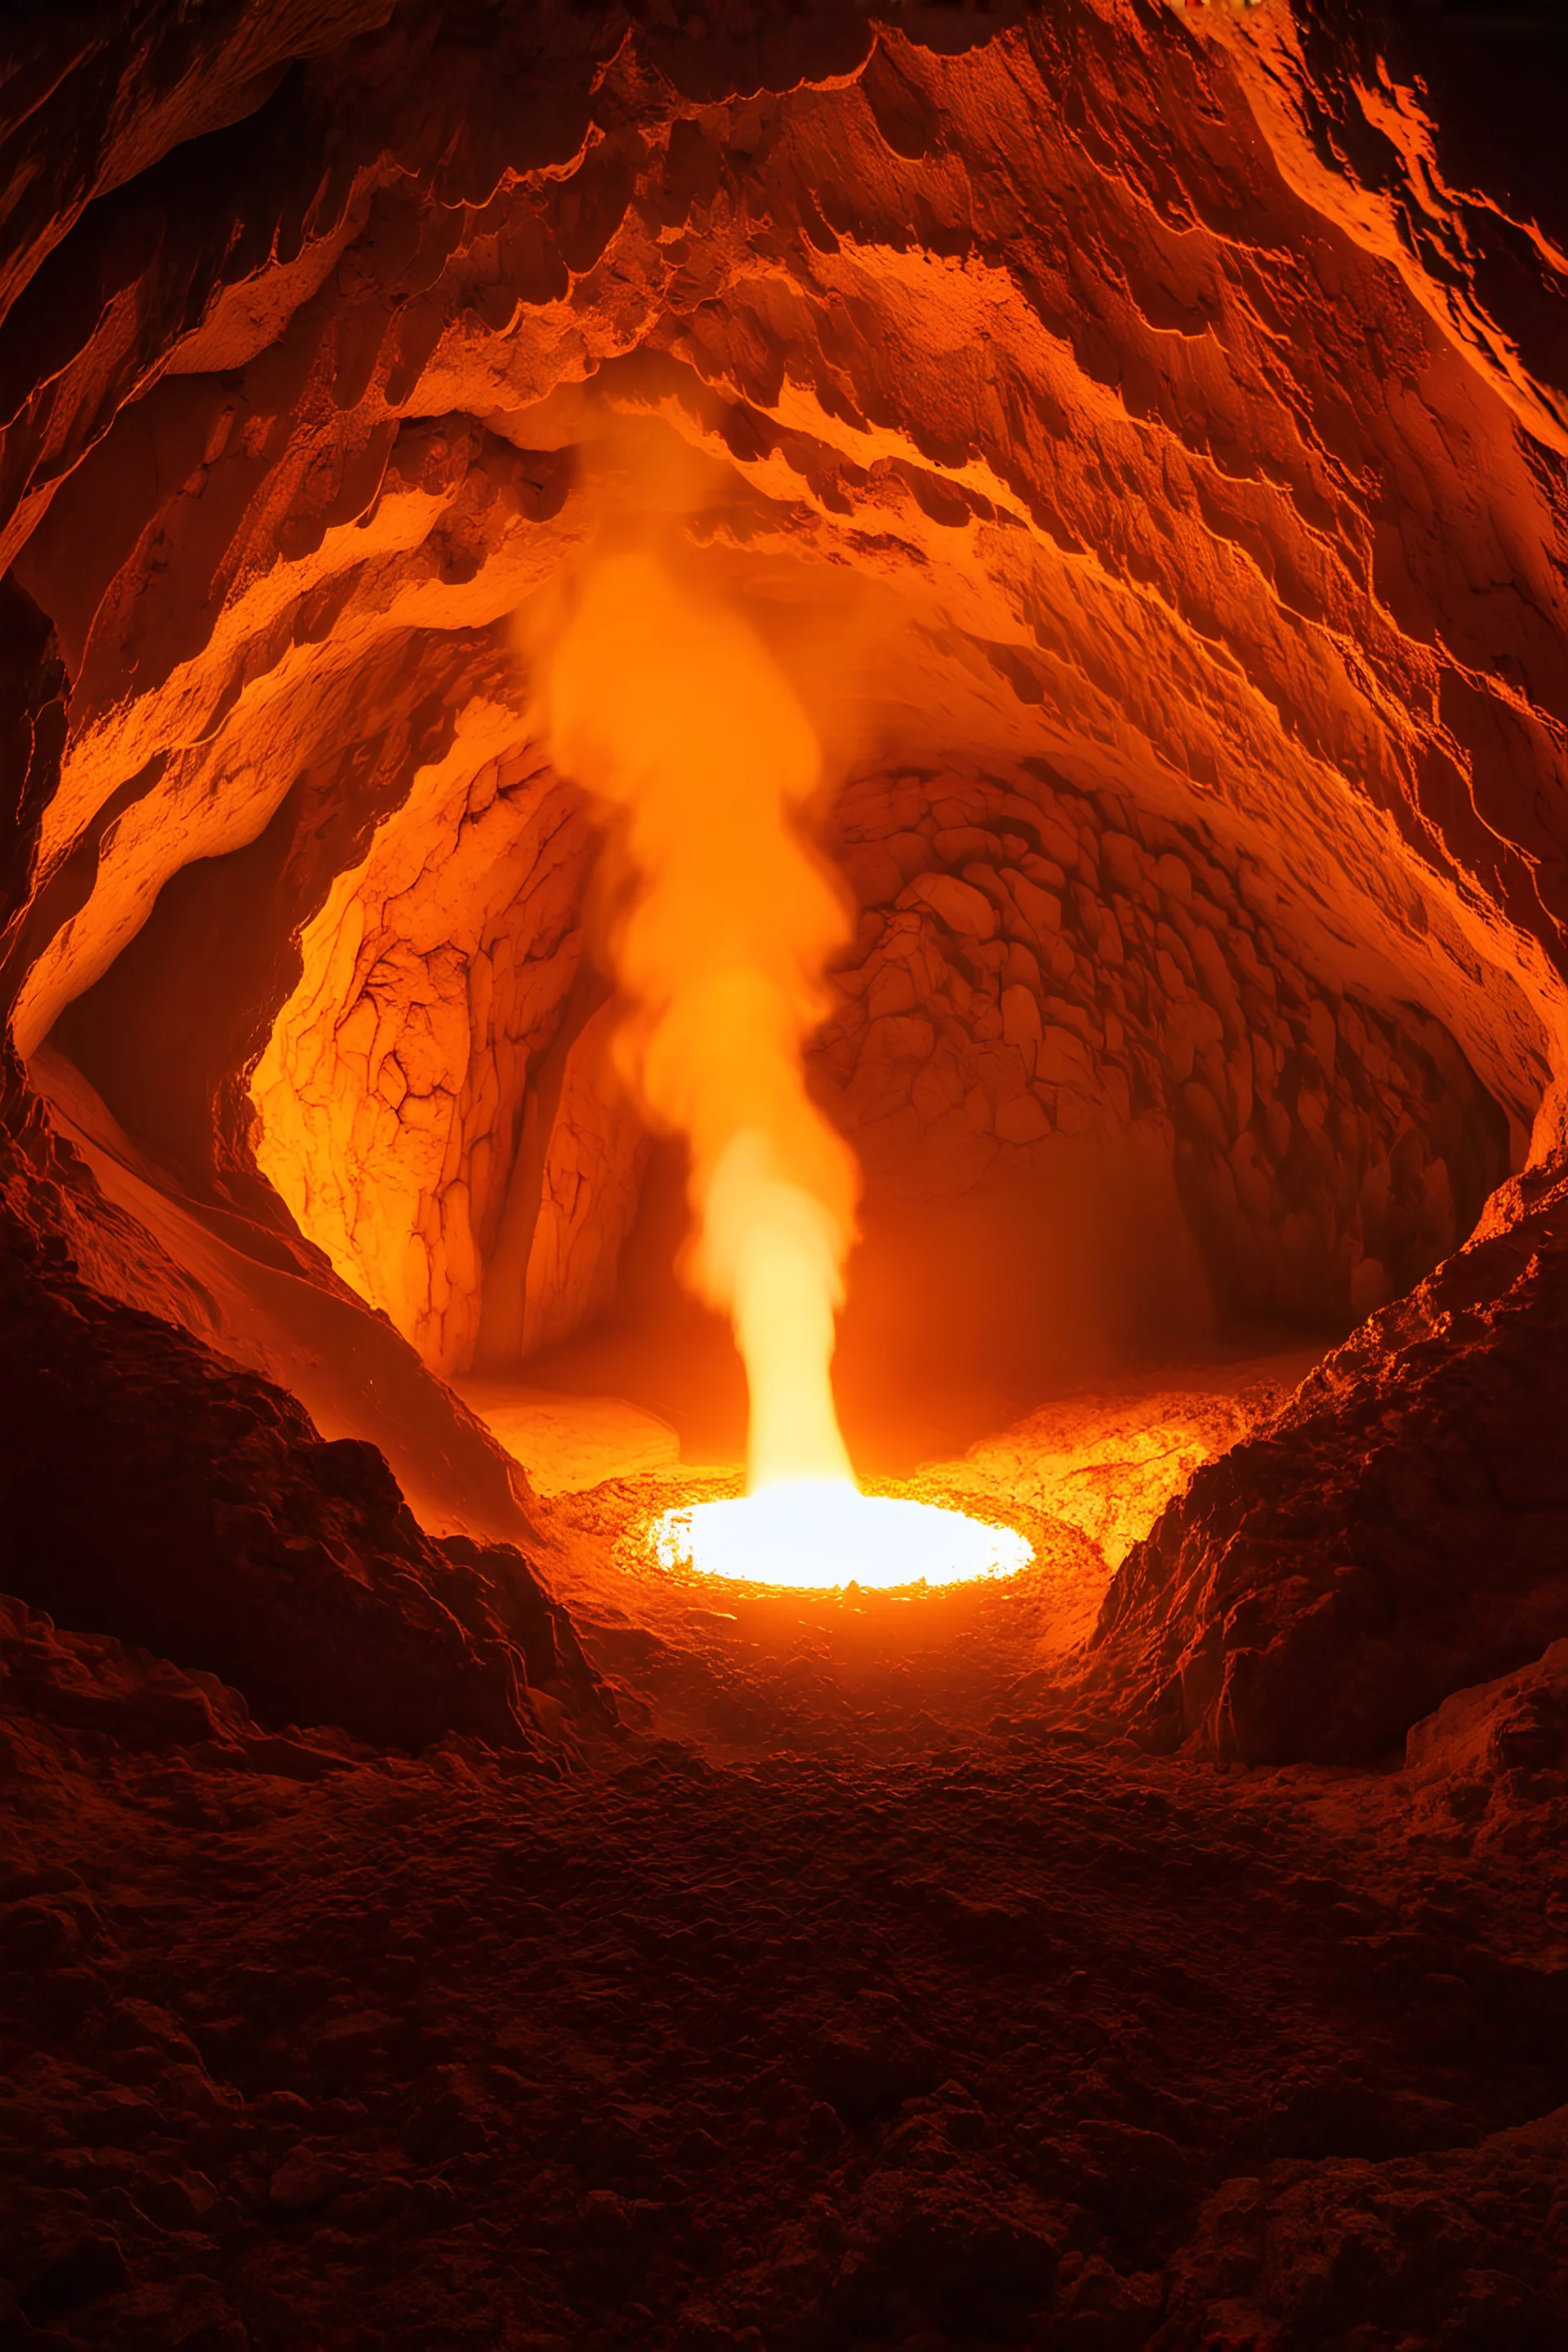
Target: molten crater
<point x="825" y="1535"/>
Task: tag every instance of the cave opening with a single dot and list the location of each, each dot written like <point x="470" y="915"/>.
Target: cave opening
<point x="1119" y="1100"/>
<point x="811" y="759"/>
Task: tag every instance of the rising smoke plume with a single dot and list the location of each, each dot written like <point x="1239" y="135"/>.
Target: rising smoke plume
<point x="670" y="711"/>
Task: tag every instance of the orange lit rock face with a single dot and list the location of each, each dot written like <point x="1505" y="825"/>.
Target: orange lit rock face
<point x="1326" y="1150"/>
<point x="1032" y="964"/>
<point x="216" y="678"/>
<point x="1118" y="432"/>
<point x="1197" y="591"/>
<point x="390" y="1096"/>
<point x="571" y="1201"/>
<point x="1139" y="434"/>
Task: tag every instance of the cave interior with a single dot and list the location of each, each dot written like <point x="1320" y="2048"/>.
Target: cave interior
<point x="1135" y="433"/>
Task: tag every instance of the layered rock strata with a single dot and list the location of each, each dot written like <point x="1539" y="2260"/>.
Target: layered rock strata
<point x="1156" y="404"/>
<point x="1142" y="429"/>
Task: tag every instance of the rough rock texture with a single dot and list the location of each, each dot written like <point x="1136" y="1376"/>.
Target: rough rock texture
<point x="575" y="1210"/>
<point x="1401" y="1525"/>
<point x="1518" y="1727"/>
<point x="1032" y="963"/>
<point x="1324" y="1152"/>
<point x="1004" y="2040"/>
<point x="1110" y="1463"/>
<point x="1143" y="431"/>
<point x="391" y="1093"/>
<point x="1181" y="471"/>
<point x="1138" y="543"/>
<point x="149" y="1488"/>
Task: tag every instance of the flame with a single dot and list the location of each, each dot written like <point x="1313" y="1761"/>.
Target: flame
<point x="671" y="711"/>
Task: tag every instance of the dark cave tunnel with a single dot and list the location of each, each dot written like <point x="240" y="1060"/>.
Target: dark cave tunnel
<point x="430" y="1916"/>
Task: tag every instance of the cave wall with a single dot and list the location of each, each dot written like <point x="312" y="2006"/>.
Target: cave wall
<point x="1174" y="432"/>
<point x="390" y="1094"/>
<point x="1182" y="405"/>
<point x="1033" y="964"/>
<point x="249" y="648"/>
<point x="1397" y="1533"/>
<point x="572" y="1200"/>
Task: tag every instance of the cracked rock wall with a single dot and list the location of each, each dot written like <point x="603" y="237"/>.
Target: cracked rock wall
<point x="1180" y="392"/>
<point x="390" y="1095"/>
<point x="1033" y="964"/>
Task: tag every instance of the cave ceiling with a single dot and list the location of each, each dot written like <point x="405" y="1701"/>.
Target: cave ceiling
<point x="1136" y="433"/>
<point x="1165" y="454"/>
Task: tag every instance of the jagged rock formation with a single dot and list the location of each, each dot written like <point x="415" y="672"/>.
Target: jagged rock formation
<point x="393" y="1090"/>
<point x="149" y="1486"/>
<point x="1321" y="1586"/>
<point x="1142" y="429"/>
<point x="1200" y="536"/>
<point x="1029" y="968"/>
<point x="1212" y="602"/>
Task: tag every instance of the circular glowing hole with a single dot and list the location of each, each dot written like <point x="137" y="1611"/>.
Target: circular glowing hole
<point x="820" y="1536"/>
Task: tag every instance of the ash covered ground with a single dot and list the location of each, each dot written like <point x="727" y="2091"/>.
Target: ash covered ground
<point x="824" y="1979"/>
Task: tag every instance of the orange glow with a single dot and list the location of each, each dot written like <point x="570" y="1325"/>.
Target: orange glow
<point x="823" y="1535"/>
<point x="673" y="713"/>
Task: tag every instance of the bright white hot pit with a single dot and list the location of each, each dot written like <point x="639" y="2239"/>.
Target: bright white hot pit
<point x="821" y="1535"/>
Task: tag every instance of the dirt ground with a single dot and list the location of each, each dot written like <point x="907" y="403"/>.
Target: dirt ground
<point x="839" y="1995"/>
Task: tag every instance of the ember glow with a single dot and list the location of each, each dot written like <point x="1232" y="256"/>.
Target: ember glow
<point x="824" y="1534"/>
<point x="672" y="712"/>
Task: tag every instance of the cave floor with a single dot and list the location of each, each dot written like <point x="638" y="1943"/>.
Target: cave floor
<point x="763" y="2038"/>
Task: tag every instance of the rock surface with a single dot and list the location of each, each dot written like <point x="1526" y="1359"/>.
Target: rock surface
<point x="1143" y="431"/>
<point x="1126" y="565"/>
<point x="152" y="1492"/>
<point x="1007" y="2038"/>
<point x="1404" y="1518"/>
<point x="1033" y="963"/>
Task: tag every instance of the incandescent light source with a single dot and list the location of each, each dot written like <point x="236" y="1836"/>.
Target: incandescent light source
<point x="824" y="1534"/>
<point x="670" y="708"/>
